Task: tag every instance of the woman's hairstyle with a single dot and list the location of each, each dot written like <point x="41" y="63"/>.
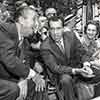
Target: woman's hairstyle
<point x="93" y="23"/>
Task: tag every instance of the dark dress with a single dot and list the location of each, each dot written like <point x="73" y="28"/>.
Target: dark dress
<point x="91" y="47"/>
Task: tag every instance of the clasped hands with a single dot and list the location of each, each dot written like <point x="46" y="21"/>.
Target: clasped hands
<point x="85" y="71"/>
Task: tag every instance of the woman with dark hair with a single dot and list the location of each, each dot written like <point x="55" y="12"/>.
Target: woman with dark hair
<point x="90" y="39"/>
<point x="91" y="43"/>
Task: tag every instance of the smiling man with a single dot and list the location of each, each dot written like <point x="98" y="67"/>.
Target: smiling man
<point x="12" y="67"/>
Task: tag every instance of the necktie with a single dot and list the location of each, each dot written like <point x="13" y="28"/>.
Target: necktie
<point x="61" y="46"/>
<point x="21" y="49"/>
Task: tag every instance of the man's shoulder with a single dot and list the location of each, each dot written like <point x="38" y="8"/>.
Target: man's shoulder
<point x="7" y="27"/>
<point x="69" y="34"/>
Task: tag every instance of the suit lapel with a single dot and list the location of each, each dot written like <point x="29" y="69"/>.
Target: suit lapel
<point x="15" y="38"/>
<point x="56" y="50"/>
<point x="67" y="46"/>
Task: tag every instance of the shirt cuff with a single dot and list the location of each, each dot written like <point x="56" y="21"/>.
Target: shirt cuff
<point x="31" y="74"/>
<point x="73" y="71"/>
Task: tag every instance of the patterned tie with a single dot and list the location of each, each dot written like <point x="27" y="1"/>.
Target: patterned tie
<point x="21" y="50"/>
<point x="61" y="46"/>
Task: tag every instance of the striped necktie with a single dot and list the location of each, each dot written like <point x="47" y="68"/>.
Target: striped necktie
<point x="61" y="46"/>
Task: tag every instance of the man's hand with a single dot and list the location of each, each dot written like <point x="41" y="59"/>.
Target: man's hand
<point x="40" y="82"/>
<point x="85" y="71"/>
<point x="40" y="86"/>
<point x="86" y="67"/>
<point x="86" y="64"/>
<point x="76" y="70"/>
<point x="38" y="67"/>
<point x="36" y="45"/>
<point x="23" y="88"/>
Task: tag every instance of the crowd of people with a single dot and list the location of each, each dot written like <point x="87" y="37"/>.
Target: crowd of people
<point x="39" y="54"/>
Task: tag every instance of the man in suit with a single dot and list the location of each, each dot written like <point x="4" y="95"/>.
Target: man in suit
<point x="12" y="67"/>
<point x="62" y="54"/>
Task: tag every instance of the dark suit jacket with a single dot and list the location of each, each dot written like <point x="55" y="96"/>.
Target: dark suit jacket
<point x="11" y="67"/>
<point x="58" y="62"/>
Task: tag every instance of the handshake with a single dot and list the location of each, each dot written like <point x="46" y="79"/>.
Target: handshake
<point x="86" y="71"/>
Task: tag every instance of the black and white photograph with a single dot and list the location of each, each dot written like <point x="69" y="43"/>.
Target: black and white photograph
<point x="49" y="49"/>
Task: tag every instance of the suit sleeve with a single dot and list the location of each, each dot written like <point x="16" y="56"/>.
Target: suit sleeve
<point x="9" y="59"/>
<point x="52" y="64"/>
<point x="79" y="52"/>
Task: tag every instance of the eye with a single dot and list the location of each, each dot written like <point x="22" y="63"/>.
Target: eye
<point x="51" y="28"/>
<point x="88" y="29"/>
<point x="94" y="30"/>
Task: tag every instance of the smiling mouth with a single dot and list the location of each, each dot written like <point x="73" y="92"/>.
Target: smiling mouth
<point x="91" y="35"/>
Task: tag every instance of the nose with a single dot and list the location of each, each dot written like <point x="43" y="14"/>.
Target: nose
<point x="91" y="31"/>
<point x="55" y="31"/>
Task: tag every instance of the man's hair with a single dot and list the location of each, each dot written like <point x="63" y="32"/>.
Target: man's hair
<point x="50" y="10"/>
<point x="19" y="3"/>
<point x="55" y="18"/>
<point x="22" y="11"/>
<point x="93" y="23"/>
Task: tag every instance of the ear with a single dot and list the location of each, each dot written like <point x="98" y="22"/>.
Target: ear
<point x="21" y="20"/>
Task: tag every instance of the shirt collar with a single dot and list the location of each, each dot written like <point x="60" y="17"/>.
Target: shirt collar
<point x="20" y="37"/>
